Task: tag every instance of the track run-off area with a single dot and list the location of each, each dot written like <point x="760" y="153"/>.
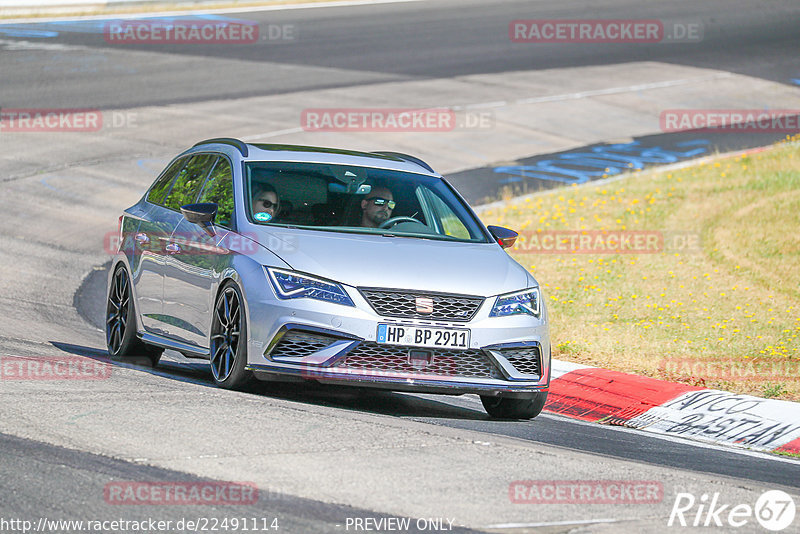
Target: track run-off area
<point x="329" y="459"/>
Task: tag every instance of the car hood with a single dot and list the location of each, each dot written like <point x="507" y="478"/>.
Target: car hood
<point x="361" y="260"/>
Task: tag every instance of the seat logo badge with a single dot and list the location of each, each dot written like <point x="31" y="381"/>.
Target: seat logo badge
<point x="424" y="305"/>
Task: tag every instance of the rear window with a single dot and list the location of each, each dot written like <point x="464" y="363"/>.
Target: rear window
<point x="187" y="184"/>
<point x="158" y="192"/>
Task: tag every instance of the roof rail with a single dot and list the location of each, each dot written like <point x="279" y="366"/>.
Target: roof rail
<point x="406" y="157"/>
<point x="241" y="145"/>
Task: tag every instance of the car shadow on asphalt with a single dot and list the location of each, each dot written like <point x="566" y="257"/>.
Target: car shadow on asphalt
<point x="352" y="398"/>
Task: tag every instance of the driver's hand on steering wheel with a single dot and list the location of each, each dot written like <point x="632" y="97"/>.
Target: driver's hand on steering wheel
<point x="396" y="220"/>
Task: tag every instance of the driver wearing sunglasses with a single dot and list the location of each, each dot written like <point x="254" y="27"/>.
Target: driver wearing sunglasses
<point x="377" y="207"/>
<point x="265" y="200"/>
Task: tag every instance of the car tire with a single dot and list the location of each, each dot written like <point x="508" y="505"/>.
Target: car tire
<point x="229" y="340"/>
<point x="121" y="340"/>
<point x="514" y="408"/>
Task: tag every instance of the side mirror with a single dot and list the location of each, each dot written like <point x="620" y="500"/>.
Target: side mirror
<point x="505" y="237"/>
<point x="202" y="213"/>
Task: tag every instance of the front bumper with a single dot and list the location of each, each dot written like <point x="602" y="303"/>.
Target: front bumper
<point x="335" y="344"/>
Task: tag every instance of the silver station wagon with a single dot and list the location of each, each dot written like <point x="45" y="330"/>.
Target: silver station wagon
<point x="282" y="262"/>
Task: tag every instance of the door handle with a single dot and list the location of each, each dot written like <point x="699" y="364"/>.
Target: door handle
<point x="173" y="248"/>
<point x="142" y="238"/>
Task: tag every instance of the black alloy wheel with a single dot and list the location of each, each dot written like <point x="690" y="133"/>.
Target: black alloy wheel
<point x="121" y="340"/>
<point x="229" y="340"/>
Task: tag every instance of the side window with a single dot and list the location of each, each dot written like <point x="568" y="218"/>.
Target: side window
<point x="189" y="180"/>
<point x="160" y="189"/>
<point x="219" y="189"/>
<point x="451" y="224"/>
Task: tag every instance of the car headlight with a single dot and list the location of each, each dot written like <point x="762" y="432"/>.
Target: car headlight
<point x="292" y="285"/>
<point x="522" y="302"/>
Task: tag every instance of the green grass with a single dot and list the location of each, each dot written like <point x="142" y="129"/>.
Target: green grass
<point x="718" y="305"/>
<point x="773" y="390"/>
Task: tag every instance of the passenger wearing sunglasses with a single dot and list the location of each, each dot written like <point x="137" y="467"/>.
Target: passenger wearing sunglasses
<point x="377" y="207"/>
<point x="265" y="200"/>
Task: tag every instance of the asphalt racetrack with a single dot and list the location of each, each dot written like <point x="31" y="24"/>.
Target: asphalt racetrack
<point x="322" y="457"/>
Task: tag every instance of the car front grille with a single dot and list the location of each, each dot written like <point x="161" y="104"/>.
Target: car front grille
<point x="526" y="360"/>
<point x="298" y="344"/>
<point x="398" y="303"/>
<point x="457" y="363"/>
<point x="371" y="356"/>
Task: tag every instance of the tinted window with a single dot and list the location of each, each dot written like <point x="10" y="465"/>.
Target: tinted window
<point x="187" y="184"/>
<point x="160" y="189"/>
<point x="344" y="198"/>
<point x="219" y="189"/>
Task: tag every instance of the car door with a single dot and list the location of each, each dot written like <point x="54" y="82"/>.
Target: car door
<point x="194" y="260"/>
<point x="156" y="233"/>
<point x="148" y="240"/>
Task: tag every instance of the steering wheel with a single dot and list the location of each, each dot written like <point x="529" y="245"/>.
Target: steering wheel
<point x="394" y="220"/>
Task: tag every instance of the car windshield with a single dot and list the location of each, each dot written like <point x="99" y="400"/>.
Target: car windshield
<point x="357" y="199"/>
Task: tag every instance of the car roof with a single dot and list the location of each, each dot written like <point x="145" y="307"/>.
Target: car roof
<point x="311" y="154"/>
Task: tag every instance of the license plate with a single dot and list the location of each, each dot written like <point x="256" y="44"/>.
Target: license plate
<point x="423" y="336"/>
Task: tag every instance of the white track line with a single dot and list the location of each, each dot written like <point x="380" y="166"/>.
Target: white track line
<point x="555" y="523"/>
<point x="275" y="133"/>
<point x="595" y="92"/>
<point x="251" y="9"/>
<point x="539" y="100"/>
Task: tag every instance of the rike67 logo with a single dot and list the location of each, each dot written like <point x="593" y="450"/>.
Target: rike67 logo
<point x="774" y="510"/>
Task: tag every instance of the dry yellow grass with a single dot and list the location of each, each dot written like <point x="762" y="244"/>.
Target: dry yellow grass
<point x="716" y="303"/>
